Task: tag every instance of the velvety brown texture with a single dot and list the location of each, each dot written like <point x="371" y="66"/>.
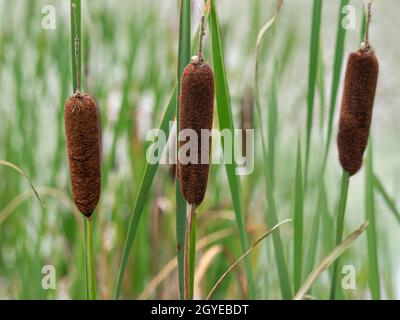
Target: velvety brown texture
<point x="356" y="112"/>
<point x="82" y="128"/>
<point x="196" y="112"/>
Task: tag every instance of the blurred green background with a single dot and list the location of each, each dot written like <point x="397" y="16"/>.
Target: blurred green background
<point x="129" y="52"/>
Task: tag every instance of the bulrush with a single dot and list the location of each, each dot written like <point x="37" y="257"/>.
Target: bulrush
<point x="196" y="109"/>
<point x="354" y="124"/>
<point x="82" y="131"/>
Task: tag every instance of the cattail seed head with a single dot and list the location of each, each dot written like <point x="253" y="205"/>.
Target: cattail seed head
<point x="196" y="112"/>
<point x="81" y="119"/>
<point x="356" y="112"/>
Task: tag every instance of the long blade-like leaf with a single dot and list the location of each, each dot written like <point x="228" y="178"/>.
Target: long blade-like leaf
<point x="312" y="75"/>
<point x="374" y="282"/>
<point x="272" y="217"/>
<point x="344" y="189"/>
<point x="336" y="253"/>
<point x="337" y="68"/>
<point x="314" y="240"/>
<point x="298" y="221"/>
<point x="19" y="170"/>
<point x="245" y="255"/>
<point x="226" y="122"/>
<point x="148" y="177"/>
<point x="391" y="204"/>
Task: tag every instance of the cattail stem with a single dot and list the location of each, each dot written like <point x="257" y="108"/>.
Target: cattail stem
<point x="191" y="212"/>
<point x="339" y="227"/>
<point x="201" y="36"/>
<point x="75" y="31"/>
<point x="366" y="45"/>
<point x="89" y="258"/>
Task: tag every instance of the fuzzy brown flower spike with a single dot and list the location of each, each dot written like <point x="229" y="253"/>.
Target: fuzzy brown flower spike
<point x="357" y="104"/>
<point x="356" y="113"/>
<point x="82" y="130"/>
<point x="196" y="112"/>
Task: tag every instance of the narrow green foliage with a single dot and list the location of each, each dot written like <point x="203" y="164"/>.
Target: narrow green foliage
<point x="271" y="214"/>
<point x="333" y="256"/>
<point x="272" y="127"/>
<point x="147" y="180"/>
<point x="312" y="75"/>
<point x="22" y="173"/>
<point x="337" y="68"/>
<point x="390" y="203"/>
<point x="252" y="247"/>
<point x="122" y="122"/>
<point x="183" y="60"/>
<point x="316" y="221"/>
<point x="321" y="87"/>
<point x="226" y="122"/>
<point x="374" y="282"/>
<point x="340" y="227"/>
<point x="298" y="221"/>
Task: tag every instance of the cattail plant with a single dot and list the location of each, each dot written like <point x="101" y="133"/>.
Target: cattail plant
<point x="196" y="113"/>
<point x="82" y="129"/>
<point x="355" y="121"/>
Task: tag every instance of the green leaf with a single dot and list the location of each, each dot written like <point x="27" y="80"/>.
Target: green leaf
<point x="321" y="87"/>
<point x="390" y="203"/>
<point x="314" y="240"/>
<point x="298" y="221"/>
<point x="312" y="75"/>
<point x="374" y="282"/>
<point x="330" y="258"/>
<point x="121" y="123"/>
<point x="271" y="214"/>
<point x="226" y="122"/>
<point x="148" y="177"/>
<point x="183" y="60"/>
<point x="244" y="255"/>
<point x="272" y="127"/>
<point x="22" y="173"/>
<point x="340" y="226"/>
<point x="337" y="68"/>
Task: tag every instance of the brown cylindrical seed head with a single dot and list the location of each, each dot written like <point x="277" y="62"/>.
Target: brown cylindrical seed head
<point x="196" y="112"/>
<point x="82" y="128"/>
<point x="356" y="112"/>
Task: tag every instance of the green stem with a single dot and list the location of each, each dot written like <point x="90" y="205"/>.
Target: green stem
<point x="188" y="254"/>
<point x="89" y="259"/>
<point x="75" y="44"/>
<point x="339" y="227"/>
<point x="192" y="256"/>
